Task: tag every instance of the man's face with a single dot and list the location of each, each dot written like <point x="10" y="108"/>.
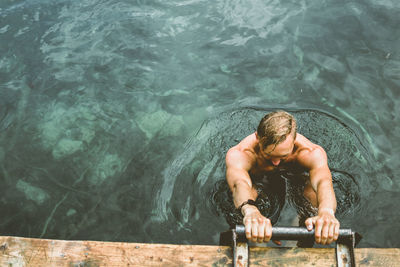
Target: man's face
<point x="277" y="154"/>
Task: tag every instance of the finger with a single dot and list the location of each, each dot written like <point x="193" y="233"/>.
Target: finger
<point x="309" y="224"/>
<point x="254" y="230"/>
<point x="330" y="233"/>
<point x="336" y="234"/>
<point x="247" y="225"/>
<point x="268" y="231"/>
<point x="318" y="229"/>
<point x="325" y="231"/>
<point x="261" y="230"/>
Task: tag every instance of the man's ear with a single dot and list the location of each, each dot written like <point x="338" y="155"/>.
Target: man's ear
<point x="256" y="135"/>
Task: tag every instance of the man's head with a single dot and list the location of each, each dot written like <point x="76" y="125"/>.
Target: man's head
<point x="276" y="134"/>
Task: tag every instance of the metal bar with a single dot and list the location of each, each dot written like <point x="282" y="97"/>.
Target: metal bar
<point x="345" y="244"/>
<point x="240" y="252"/>
<point x="344" y="255"/>
<point x="296" y="233"/>
<point x="345" y="251"/>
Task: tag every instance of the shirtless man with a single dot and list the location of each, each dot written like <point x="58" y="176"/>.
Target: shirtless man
<point x="275" y="145"/>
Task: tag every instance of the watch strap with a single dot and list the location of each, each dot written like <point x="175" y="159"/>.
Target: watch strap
<point x="247" y="202"/>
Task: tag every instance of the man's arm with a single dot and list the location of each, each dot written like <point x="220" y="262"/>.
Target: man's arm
<point x="258" y="228"/>
<point x="238" y="177"/>
<point x="326" y="225"/>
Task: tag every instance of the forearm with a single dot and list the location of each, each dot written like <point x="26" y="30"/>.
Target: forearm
<point x="240" y="184"/>
<point x="257" y="227"/>
<point x="242" y="192"/>
<point x="326" y="225"/>
<point x="326" y="195"/>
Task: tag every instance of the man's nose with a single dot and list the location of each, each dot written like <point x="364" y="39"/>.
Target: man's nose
<point x="276" y="162"/>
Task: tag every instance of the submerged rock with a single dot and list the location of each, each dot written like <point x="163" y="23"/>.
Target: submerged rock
<point x="66" y="147"/>
<point x="107" y="166"/>
<point x="161" y="122"/>
<point x="71" y="212"/>
<point x="36" y="194"/>
<point x="272" y="88"/>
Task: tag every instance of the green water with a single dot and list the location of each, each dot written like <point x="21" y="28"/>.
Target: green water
<point x="115" y="115"/>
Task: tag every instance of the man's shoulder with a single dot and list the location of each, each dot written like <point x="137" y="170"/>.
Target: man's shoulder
<point x="309" y="154"/>
<point x="246" y="145"/>
<point x="237" y="158"/>
<point x="242" y="152"/>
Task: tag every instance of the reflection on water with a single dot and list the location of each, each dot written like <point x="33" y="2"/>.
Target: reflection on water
<point x="101" y="103"/>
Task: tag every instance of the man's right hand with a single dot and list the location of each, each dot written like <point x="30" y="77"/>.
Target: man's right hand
<point x="258" y="228"/>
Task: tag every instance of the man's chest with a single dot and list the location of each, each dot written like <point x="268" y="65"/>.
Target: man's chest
<point x="262" y="167"/>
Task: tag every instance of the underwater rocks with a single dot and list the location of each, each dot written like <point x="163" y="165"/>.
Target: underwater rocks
<point x="66" y="147"/>
<point x="159" y="122"/>
<point x="107" y="166"/>
<point x="36" y="194"/>
<point x="65" y="130"/>
<point x="270" y="87"/>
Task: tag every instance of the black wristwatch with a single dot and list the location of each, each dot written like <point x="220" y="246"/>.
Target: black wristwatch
<point x="248" y="202"/>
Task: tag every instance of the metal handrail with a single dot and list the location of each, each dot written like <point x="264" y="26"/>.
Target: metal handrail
<point x="300" y="233"/>
<point x="344" y="250"/>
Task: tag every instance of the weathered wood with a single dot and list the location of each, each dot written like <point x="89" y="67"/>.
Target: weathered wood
<point x="18" y="251"/>
<point x="241" y="255"/>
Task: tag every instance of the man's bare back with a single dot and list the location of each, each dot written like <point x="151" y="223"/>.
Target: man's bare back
<point x="252" y="158"/>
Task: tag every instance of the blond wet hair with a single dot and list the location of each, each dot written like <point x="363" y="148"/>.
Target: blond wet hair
<point x="274" y="127"/>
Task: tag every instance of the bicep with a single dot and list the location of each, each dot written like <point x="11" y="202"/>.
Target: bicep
<point x="236" y="176"/>
<point x="237" y="169"/>
<point x="319" y="175"/>
<point x="316" y="162"/>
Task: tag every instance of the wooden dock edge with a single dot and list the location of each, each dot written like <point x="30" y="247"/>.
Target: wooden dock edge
<point x="19" y="251"/>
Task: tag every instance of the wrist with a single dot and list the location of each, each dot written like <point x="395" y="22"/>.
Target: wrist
<point x="245" y="205"/>
<point x="248" y="209"/>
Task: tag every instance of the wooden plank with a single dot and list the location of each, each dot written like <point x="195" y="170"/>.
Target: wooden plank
<point x="18" y="251"/>
<point x="292" y="257"/>
<point x="386" y="257"/>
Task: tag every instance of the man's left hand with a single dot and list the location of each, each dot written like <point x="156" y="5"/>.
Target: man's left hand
<point x="326" y="226"/>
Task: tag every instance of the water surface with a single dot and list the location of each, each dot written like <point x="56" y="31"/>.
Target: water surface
<point x="114" y="115"/>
